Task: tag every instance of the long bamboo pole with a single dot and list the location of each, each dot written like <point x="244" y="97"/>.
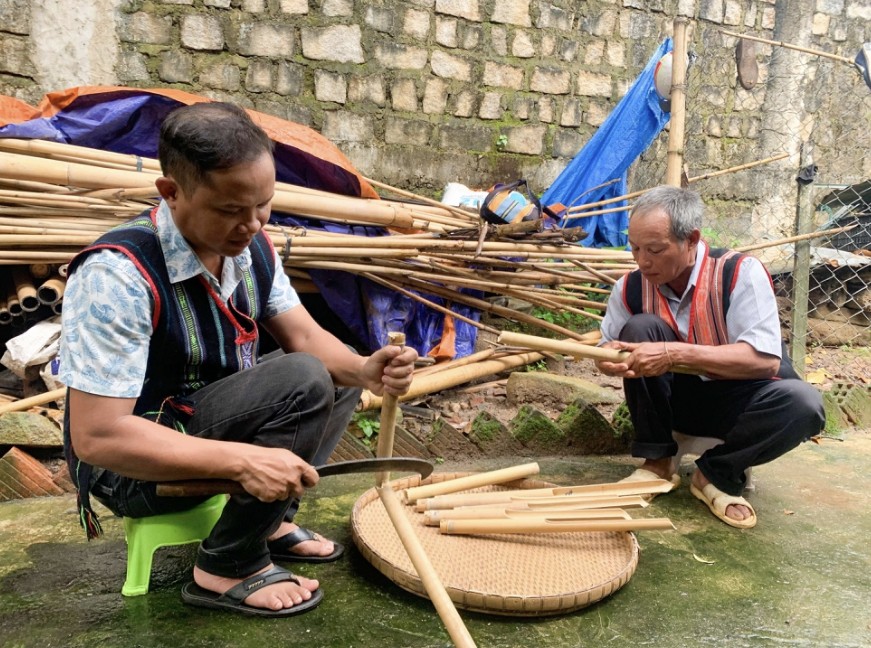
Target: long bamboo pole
<point x="432" y="383"/>
<point x="413" y="547"/>
<point x="433" y="518"/>
<point x="429" y="577"/>
<point x="429" y="201"/>
<point x="678" y="104"/>
<point x="691" y="180"/>
<point x="798" y="48"/>
<point x="545" y="495"/>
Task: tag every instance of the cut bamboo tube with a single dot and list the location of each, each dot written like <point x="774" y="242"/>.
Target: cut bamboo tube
<point x="480" y="527"/>
<point x="387" y="429"/>
<point x="25" y="289"/>
<point x="564" y="347"/>
<point x="568" y="347"/>
<point x="431" y="383"/>
<point x="578" y="501"/>
<point x="429" y="577"/>
<point x="12" y="302"/>
<point x="544" y="494"/>
<point x="40" y="271"/>
<point x="433" y="518"/>
<point x="411" y="495"/>
<point x="33" y="401"/>
<point x="52" y="290"/>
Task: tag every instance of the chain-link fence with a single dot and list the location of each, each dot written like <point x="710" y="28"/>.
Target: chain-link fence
<point x="785" y="156"/>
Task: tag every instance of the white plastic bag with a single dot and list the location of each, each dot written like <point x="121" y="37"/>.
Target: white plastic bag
<point x="36" y="346"/>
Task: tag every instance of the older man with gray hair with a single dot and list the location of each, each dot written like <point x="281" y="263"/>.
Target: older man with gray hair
<point x="706" y="357"/>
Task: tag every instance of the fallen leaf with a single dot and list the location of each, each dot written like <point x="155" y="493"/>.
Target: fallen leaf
<point x="817" y="377"/>
<point x="809" y="359"/>
<point x="703" y="560"/>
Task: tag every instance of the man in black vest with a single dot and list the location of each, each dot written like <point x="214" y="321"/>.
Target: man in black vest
<point x="160" y="351"/>
<point x="706" y="356"/>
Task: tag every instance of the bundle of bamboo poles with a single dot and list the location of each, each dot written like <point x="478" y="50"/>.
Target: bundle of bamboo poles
<point x="56" y="198"/>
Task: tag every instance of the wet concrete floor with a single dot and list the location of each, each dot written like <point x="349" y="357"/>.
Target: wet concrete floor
<point x="802" y="577"/>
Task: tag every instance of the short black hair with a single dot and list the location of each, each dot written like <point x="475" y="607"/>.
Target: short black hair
<point x="204" y="137"/>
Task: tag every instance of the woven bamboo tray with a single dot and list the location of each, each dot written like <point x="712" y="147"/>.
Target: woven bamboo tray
<point x="508" y="574"/>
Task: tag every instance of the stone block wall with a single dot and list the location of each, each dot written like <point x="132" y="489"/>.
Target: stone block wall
<point x="419" y="93"/>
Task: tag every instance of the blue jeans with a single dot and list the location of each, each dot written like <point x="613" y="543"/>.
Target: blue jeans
<point x="289" y="402"/>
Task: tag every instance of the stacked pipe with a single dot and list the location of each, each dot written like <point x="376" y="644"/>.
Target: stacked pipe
<point x="25" y="290"/>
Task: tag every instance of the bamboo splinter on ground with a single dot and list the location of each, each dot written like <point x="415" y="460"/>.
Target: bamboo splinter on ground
<point x="434" y="588"/>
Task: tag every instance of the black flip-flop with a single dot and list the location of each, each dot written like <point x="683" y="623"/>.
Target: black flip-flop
<point x="234" y="598"/>
<point x="280" y="548"/>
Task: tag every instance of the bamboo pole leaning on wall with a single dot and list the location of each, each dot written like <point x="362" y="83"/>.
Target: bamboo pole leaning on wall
<point x="678" y="104"/>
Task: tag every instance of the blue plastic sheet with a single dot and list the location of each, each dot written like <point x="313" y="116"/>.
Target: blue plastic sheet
<point x="625" y="134"/>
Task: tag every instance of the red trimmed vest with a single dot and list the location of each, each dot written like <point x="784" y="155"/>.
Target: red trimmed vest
<point x="196" y="340"/>
<point x="716" y="280"/>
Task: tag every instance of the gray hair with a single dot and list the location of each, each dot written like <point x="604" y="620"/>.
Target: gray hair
<point x="683" y="207"/>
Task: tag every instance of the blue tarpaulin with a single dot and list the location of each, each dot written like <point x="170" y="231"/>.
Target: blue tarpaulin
<point x="625" y="134"/>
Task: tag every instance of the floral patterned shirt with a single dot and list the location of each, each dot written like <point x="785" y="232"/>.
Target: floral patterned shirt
<point x="107" y="308"/>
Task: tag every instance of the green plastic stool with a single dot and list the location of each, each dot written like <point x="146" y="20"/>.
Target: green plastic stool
<point x="146" y="535"/>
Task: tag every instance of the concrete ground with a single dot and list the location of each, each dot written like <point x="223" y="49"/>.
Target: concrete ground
<point x="802" y="577"/>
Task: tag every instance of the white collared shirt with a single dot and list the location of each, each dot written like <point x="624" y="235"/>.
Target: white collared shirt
<point x="752" y="316"/>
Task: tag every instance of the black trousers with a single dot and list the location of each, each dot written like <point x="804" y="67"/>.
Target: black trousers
<point x="758" y="420"/>
<point x="288" y="402"/>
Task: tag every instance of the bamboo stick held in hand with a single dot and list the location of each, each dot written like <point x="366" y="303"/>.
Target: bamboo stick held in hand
<point x="572" y="348"/>
<point x="389" y="408"/>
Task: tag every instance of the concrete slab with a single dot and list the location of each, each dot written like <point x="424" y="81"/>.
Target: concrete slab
<point x="802" y="577"/>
